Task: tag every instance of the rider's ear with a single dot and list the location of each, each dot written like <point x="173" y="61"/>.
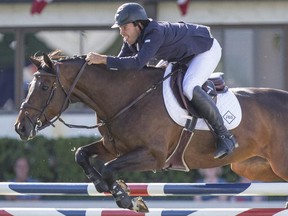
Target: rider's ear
<point x="36" y="62"/>
<point x="47" y="60"/>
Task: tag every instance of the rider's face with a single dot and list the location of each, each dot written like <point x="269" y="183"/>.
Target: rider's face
<point x="130" y="33"/>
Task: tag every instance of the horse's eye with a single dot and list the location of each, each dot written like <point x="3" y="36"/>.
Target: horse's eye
<point x="45" y="88"/>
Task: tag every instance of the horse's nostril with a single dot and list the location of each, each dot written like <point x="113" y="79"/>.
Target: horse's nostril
<point x="22" y="129"/>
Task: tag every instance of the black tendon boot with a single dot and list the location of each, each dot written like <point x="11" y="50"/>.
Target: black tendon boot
<point x="207" y="109"/>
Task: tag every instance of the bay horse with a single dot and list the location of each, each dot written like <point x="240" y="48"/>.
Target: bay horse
<point x="140" y="137"/>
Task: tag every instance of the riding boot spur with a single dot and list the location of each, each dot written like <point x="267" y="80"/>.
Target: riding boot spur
<point x="207" y="109"/>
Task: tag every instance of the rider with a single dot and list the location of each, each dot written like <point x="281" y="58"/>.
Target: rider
<point x="145" y="39"/>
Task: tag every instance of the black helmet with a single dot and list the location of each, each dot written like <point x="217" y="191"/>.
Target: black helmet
<point x="128" y="13"/>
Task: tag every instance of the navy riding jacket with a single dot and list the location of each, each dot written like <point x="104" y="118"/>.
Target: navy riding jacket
<point x="163" y="40"/>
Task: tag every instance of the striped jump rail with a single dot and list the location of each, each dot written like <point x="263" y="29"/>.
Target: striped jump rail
<point x="152" y="212"/>
<point x="148" y="189"/>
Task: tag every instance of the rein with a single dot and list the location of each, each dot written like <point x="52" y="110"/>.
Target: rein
<point x="67" y="100"/>
<point x="102" y="122"/>
<point x="39" y="126"/>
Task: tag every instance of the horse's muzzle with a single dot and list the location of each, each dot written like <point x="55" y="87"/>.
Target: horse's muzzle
<point x="25" y="131"/>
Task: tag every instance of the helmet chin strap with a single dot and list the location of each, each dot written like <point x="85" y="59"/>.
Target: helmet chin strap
<point x="140" y="26"/>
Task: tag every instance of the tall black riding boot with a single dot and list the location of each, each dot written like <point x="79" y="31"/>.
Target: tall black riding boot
<point x="207" y="109"/>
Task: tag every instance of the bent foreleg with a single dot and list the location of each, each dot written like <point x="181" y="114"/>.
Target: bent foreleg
<point x="82" y="156"/>
<point x="140" y="159"/>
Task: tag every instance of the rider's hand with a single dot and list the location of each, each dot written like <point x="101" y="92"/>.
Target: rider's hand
<point x="95" y="58"/>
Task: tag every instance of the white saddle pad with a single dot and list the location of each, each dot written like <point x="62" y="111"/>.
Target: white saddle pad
<point x="227" y="104"/>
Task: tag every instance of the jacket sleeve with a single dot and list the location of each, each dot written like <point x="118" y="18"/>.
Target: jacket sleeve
<point x="151" y="43"/>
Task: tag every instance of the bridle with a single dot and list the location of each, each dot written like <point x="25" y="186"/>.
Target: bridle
<point x="39" y="125"/>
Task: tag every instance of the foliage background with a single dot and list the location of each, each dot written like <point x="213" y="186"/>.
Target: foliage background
<point x="52" y="160"/>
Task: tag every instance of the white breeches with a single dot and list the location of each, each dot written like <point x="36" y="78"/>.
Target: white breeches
<point x="200" y="68"/>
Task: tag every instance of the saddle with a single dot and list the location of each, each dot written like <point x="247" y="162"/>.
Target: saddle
<point x="214" y="85"/>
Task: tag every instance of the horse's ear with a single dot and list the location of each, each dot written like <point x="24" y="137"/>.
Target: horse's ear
<point x="36" y="62"/>
<point x="47" y="60"/>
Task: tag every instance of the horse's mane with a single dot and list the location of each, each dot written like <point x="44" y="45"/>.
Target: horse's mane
<point x="57" y="55"/>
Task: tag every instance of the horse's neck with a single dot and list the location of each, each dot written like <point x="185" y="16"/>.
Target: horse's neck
<point x="107" y="92"/>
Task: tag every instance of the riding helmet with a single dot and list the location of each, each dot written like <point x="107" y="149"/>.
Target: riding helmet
<point x="128" y="13"/>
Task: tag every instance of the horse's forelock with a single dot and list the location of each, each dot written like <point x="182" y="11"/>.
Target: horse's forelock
<point x="56" y="55"/>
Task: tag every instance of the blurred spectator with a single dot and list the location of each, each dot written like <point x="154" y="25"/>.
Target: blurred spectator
<point x="21" y="169"/>
<point x="211" y="175"/>
<point x="247" y="198"/>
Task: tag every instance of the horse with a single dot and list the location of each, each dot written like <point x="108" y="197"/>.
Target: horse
<point x="137" y="132"/>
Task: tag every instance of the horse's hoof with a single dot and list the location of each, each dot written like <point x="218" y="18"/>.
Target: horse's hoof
<point x="139" y="205"/>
